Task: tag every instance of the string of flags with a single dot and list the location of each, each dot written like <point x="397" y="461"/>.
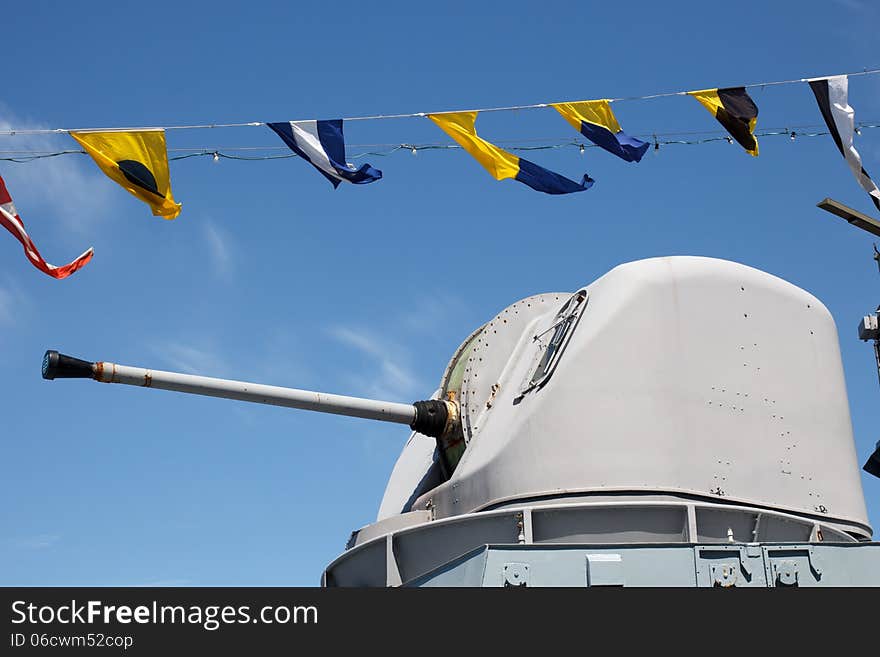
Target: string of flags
<point x="137" y="158"/>
<point x="267" y="152"/>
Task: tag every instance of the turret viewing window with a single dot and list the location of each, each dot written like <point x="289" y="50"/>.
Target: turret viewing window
<point x="559" y="334"/>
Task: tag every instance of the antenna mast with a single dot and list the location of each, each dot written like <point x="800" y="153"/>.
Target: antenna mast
<point x="868" y="328"/>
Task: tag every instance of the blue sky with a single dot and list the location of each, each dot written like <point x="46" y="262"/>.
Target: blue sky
<point x="271" y="275"/>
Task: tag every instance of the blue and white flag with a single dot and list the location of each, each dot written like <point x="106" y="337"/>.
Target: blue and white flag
<point x="322" y="144"/>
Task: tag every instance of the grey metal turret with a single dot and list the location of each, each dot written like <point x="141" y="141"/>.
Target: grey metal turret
<point x="679" y="421"/>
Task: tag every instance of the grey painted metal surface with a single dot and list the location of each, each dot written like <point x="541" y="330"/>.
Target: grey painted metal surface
<point x="413" y="473"/>
<point x="685" y="375"/>
<point x="693" y="431"/>
<point x="383" y="554"/>
<point x="746" y="565"/>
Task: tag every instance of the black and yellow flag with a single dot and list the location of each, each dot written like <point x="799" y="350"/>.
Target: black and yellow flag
<point x="735" y="110"/>
<point x="136" y="160"/>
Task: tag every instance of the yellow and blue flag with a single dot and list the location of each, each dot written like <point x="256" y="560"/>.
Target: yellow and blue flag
<point x="136" y="160"/>
<point x="595" y="121"/>
<point x="500" y="163"/>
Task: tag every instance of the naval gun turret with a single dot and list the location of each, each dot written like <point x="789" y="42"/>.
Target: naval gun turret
<point x="680" y="421"/>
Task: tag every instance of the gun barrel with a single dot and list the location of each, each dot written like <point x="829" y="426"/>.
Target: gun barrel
<point x="57" y="365"/>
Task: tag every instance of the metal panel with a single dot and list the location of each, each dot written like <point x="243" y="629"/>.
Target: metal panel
<point x="655" y="524"/>
<point x="605" y="569"/>
<point x="717" y="525"/>
<point x="420" y="550"/>
<point x="390" y="525"/>
<point x="413" y="473"/>
<point x="565" y="566"/>
<point x="666" y="565"/>
<point x="492" y="352"/>
<point x="467" y="570"/>
<point x="788" y="566"/>
<point x="728" y="566"/>
<point x="782" y="530"/>
<point x="364" y="566"/>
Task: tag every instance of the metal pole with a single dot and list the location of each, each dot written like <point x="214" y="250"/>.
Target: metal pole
<point x="877" y="313"/>
<point x="877" y="355"/>
<point x="57" y="365"/>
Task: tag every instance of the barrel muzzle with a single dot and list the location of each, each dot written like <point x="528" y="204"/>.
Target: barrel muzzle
<point x="61" y="366"/>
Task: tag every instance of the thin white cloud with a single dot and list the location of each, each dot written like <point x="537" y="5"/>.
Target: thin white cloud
<point x="388" y="373"/>
<point x="359" y="340"/>
<point x="6" y="306"/>
<point x="67" y="191"/>
<point x="218" y="246"/>
<point x="38" y="542"/>
<point x="281" y="359"/>
<point x="13" y="304"/>
<point x="190" y="359"/>
<point x="388" y="377"/>
<point x="855" y="5"/>
<point x="429" y="313"/>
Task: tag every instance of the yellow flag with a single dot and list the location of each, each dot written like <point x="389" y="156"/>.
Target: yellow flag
<point x="597" y="112"/>
<point x="136" y="160"/>
<point x="461" y="127"/>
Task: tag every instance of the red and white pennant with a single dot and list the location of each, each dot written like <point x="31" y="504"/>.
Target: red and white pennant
<point x="10" y="220"/>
